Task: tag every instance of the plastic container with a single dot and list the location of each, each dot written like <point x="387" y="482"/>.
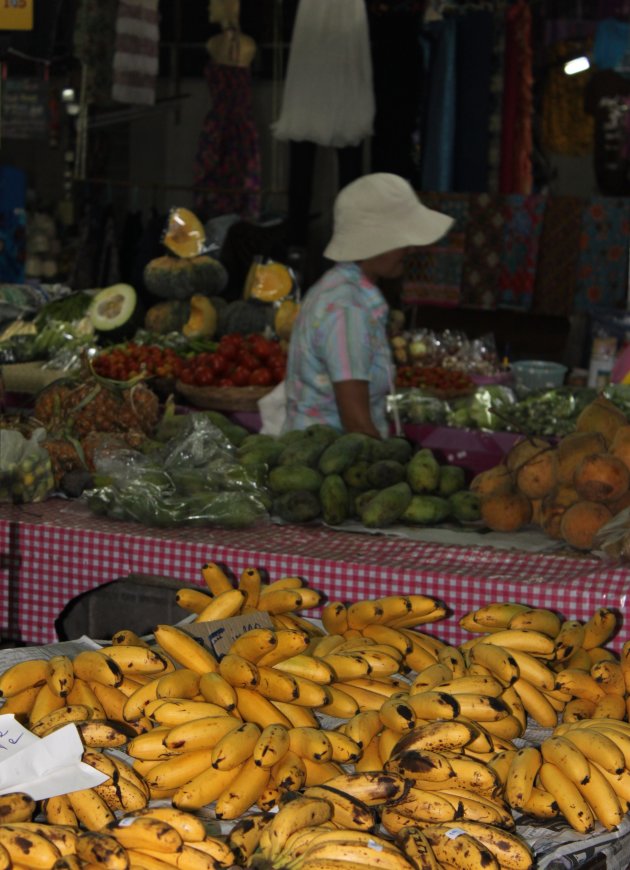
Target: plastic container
<point x="538" y="374"/>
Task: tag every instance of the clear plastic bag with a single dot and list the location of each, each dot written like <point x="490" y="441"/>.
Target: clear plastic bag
<point x="613" y="540"/>
<point x="25" y="468"/>
<point x="194" y="478"/>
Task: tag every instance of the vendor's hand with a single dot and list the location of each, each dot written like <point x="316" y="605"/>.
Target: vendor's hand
<point x="353" y="403"/>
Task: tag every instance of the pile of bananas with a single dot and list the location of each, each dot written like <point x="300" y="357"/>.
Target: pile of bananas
<point x="154" y="838"/>
<point x="420" y="741"/>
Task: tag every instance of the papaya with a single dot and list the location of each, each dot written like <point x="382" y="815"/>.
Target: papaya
<point x="426" y="510"/>
<point x="423" y="471"/>
<point x="385" y="472"/>
<point x="452" y="479"/>
<point x="292" y="478"/>
<point x="387" y="506"/>
<point x="341" y="453"/>
<point x="334" y="499"/>
<point x="299" y="506"/>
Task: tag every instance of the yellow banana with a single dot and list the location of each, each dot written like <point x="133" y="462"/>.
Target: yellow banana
<point x="601" y="797"/>
<point x="103" y="734"/>
<point x="102" y="850"/>
<point x="348" y="850"/>
<point x="453" y="658"/>
<point x="306" y="666"/>
<point x="598" y="747"/>
<point x="150" y="746"/>
<point x="497" y="615"/>
<point x="290" y="643"/>
<point x="23" y="675"/>
<point x="535" y="704"/>
<point x="16" y="806"/>
<point x="216" y="690"/>
<point x="96" y="666"/>
<point x="500" y="761"/>
<point x="572" y="805"/>
<point x="497" y="659"/>
<point x="291" y="817"/>
<point x="180" y="683"/>
<point x="365" y="699"/>
<point x="346" y="666"/>
<point x="620" y="783"/>
<point x="64" y="838"/>
<point x="569" y="639"/>
<point x="276" y="685"/>
<point x="510" y="849"/>
<point x="348" y="812"/>
<point x="254" y="644"/>
<point x="179" y="769"/>
<point x="437" y="736"/>
<point x="344" y="749"/>
<point x="609" y="675"/>
<point x="363" y="727"/>
<point x="341" y="705"/>
<point x="250" y="584"/>
<point x="534" y="670"/>
<point x="578" y="709"/>
<point x="417" y="617"/>
<point x="83" y="693"/>
<point x="289" y="772"/>
<point x="123" y="796"/>
<point x="90" y="809"/>
<point x="58" y="811"/>
<point x="611" y="707"/>
<point x="39" y="851"/>
<point x="201" y="733"/>
<point x="385" y="634"/>
<point x="215" y="848"/>
<point x="472" y="774"/>
<point x="222" y="606"/>
<point x="567" y="756"/>
<point x="581" y="659"/>
<point x="215" y="578"/>
<point x="432" y="677"/>
<point x="541" y="804"/>
<point x="176" y="711"/>
<point x="580" y="684"/>
<point x="527" y="640"/>
<point x="537" y="619"/>
<point x="371" y="755"/>
<point x="137" y="702"/>
<point x="204" y="788"/>
<point x="192" y="599"/>
<point x="420" y="765"/>
<point x="138" y="659"/>
<point x="254" y="708"/>
<point x="417" y="848"/>
<point x="128" y="637"/>
<point x="244" y="837"/>
<point x="362" y="613"/>
<point x="321" y="646"/>
<point x="279" y="601"/>
<point x="269" y="797"/>
<point x="45" y="702"/>
<point x="271" y="745"/>
<point x="296" y="715"/>
<point x="243" y="791"/>
<point x="396" y="713"/>
<point x="294" y="622"/>
<point x="599" y="628"/>
<point x="434" y="705"/>
<point x="235" y="747"/>
<point x="372" y="787"/>
<point x="477" y="807"/>
<point x="60" y="675"/>
<point x="481" y="708"/>
<point x="58" y="718"/>
<point x="310" y="743"/>
<point x="239" y="672"/>
<point x="461" y="850"/>
<point x="334" y="617"/>
<point x="21" y="704"/>
<point x="184" y="649"/>
<point x="475" y="684"/>
<point x="111" y="700"/>
<point x="146" y="832"/>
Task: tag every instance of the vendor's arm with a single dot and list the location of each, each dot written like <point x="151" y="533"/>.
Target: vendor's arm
<point x="353" y="402"/>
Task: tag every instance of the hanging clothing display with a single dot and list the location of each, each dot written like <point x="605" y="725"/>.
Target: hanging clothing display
<point x="328" y="93"/>
<point x="521" y="239"/>
<point x="483" y="251"/>
<point x="603" y="264"/>
<point x="94" y="39"/>
<point x="558" y="253"/>
<point x="566" y="127"/>
<point x="136" y="52"/>
<point x="227" y="163"/>
<point x="516" y="141"/>
<point x="438" y="132"/>
<point x="607" y="98"/>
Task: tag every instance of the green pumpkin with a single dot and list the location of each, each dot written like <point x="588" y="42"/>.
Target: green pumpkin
<point x="179" y="278"/>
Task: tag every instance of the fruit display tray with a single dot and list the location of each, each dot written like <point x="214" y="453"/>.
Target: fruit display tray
<point x="222" y="398"/>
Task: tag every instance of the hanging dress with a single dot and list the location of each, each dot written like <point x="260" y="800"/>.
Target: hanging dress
<point x="227" y="163"/>
<point x="328" y="95"/>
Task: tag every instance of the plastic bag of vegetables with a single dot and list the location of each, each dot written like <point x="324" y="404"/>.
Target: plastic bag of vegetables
<point x="25" y="467"/>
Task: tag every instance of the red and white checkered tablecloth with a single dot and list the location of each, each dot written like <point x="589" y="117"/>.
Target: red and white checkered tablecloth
<point x="52" y="551"/>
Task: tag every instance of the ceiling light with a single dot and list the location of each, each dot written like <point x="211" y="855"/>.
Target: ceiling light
<point x="577" y="65"/>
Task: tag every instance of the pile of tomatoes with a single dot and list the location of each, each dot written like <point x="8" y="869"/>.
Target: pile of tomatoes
<point x="433" y="378"/>
<point x="238" y="361"/>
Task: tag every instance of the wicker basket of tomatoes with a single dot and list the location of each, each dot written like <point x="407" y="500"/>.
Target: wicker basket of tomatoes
<point x="435" y="381"/>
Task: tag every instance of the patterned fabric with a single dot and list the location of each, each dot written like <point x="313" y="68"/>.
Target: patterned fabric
<point x="438" y="132"/>
<point x="558" y="254"/>
<point x="516" y="165"/>
<point x="483" y="251"/>
<point x="227" y="164"/>
<point x="521" y="237"/>
<point x="603" y="262"/>
<point x="566" y="127"/>
<point x="433" y="273"/>
<point x="340" y="335"/>
<point x="495" y="121"/>
<point x="136" y="55"/>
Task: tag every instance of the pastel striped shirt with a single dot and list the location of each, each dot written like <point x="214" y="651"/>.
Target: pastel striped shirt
<point x="340" y="335"/>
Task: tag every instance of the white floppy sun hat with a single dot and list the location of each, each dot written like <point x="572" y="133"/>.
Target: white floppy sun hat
<point x="378" y="213"/>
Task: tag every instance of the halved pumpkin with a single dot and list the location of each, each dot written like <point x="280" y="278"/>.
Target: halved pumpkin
<point x="285" y="317"/>
<point x="202" y="319"/>
<point x="185" y="235"/>
<point x="268" y="282"/>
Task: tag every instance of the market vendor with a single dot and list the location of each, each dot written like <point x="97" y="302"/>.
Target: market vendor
<point x="339" y="367"/>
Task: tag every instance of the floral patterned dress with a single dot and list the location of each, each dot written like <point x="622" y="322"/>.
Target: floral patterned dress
<point x="227" y="163"/>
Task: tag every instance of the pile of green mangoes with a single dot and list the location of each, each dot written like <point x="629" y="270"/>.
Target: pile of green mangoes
<point x="319" y="472"/>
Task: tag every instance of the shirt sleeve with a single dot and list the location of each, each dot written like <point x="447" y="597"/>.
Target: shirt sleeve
<point x="346" y="344"/>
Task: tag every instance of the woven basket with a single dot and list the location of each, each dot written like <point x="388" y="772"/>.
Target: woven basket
<point x="222" y="398"/>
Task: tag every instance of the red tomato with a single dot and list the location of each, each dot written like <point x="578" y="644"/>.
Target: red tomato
<point x="248" y="361"/>
<point x="261" y="377"/>
<point x="204" y="377"/>
<point x="240" y="376"/>
<point x="225" y="382"/>
<point x="261" y="346"/>
<point x="219" y="363"/>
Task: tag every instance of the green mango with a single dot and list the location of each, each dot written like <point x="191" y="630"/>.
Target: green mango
<point x="452" y="479"/>
<point x="387" y="506"/>
<point x="423" y="472"/>
<point x="426" y="510"/>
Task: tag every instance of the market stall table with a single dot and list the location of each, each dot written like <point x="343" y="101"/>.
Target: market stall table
<point x="52" y="551"/>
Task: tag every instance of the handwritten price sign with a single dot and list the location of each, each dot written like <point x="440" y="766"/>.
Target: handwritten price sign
<point x="16" y="14"/>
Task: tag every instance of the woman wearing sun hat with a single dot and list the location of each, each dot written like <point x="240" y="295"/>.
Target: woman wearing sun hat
<point x="340" y="368"/>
